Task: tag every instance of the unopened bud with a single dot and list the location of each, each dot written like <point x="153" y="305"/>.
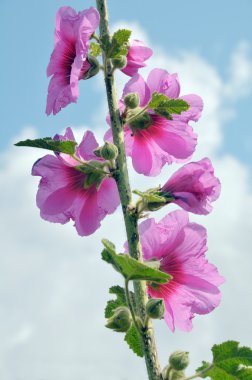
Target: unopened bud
<point x="93" y="69"/>
<point x="132" y="100"/>
<point x="121" y="320"/>
<point x="109" y="151"/>
<point x="179" y="360"/>
<point x="119" y="62"/>
<point x="177" y="375"/>
<point x="155" y="308"/>
<point x="142" y="121"/>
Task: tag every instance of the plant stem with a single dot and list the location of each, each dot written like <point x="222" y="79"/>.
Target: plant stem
<point x="127" y="294"/>
<point x="129" y="212"/>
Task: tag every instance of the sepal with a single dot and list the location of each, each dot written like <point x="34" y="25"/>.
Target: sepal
<point x="94" y="67"/>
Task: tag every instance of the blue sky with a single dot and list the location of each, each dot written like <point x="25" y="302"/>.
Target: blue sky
<point x="212" y="29"/>
<point x="48" y="274"/>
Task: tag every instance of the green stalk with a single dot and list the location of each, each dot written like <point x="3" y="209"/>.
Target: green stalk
<point x="129" y="211"/>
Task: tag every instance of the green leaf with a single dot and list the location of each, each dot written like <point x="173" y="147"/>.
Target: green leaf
<point x="230" y="362"/>
<point x="48" y="143"/>
<point x="165" y="106"/>
<point x="119" y="301"/>
<point x="130" y="268"/>
<point x="117" y="45"/>
<point x="94" y="49"/>
<point x="134" y="341"/>
<point x="122" y="36"/>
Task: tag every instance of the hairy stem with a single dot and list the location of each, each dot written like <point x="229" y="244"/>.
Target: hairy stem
<point x="127" y="294"/>
<point x="129" y="212"/>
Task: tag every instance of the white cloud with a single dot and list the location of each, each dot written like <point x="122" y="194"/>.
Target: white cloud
<point x="54" y="284"/>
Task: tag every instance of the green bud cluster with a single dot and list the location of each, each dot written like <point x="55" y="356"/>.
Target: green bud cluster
<point x="119" y="62"/>
<point x="132" y="100"/>
<point x="109" y="151"/>
<point x="155" y="308"/>
<point x="121" y="320"/>
<point x="179" y="360"/>
<point x="177" y="375"/>
<point x="169" y="373"/>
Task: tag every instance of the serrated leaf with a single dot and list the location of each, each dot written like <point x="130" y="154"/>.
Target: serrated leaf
<point x="229" y="363"/>
<point x="131" y="269"/>
<point x="48" y="143"/>
<point x="122" y="36"/>
<point x="165" y="106"/>
<point x="119" y="301"/>
<point x="117" y="45"/>
<point x="94" y="49"/>
<point x="133" y="339"/>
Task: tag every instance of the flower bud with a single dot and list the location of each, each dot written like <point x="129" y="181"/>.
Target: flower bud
<point x="109" y="151"/>
<point x="93" y="69"/>
<point x="155" y="308"/>
<point x="142" y="121"/>
<point x="132" y="100"/>
<point x="121" y="320"/>
<point x="177" y="375"/>
<point x="120" y="62"/>
<point x="179" y="360"/>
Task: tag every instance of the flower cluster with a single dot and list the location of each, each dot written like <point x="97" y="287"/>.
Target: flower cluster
<point x="81" y="186"/>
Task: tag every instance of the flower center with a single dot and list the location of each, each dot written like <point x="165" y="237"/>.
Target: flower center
<point x="69" y="55"/>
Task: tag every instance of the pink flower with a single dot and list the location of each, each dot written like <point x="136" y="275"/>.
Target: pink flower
<point x="164" y="141"/>
<point x="180" y="246"/>
<point x="194" y="186"/>
<point x="61" y="195"/>
<point x="68" y="61"/>
<point x="138" y="53"/>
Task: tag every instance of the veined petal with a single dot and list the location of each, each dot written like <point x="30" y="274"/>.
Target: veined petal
<point x="86" y="148"/>
<point x="161" y="81"/>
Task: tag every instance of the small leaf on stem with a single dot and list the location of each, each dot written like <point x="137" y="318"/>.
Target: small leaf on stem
<point x="133" y="339"/>
<point x="130" y="268"/>
<point x="165" y="106"/>
<point x="48" y="143"/>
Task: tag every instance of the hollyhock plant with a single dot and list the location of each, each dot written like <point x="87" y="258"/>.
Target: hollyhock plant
<point x="180" y="246"/>
<point x="165" y="273"/>
<point x="138" y="53"/>
<point x="69" y="60"/>
<point x="162" y="141"/>
<point x="194" y="187"/>
<point x="63" y="194"/>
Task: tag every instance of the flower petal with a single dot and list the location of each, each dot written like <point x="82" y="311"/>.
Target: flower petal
<point x="108" y="196"/>
<point x="59" y="95"/>
<point x="141" y="155"/>
<point x="88" y="214"/>
<point x="161" y="81"/>
<point x="87" y="146"/>
<point x="194" y="112"/>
